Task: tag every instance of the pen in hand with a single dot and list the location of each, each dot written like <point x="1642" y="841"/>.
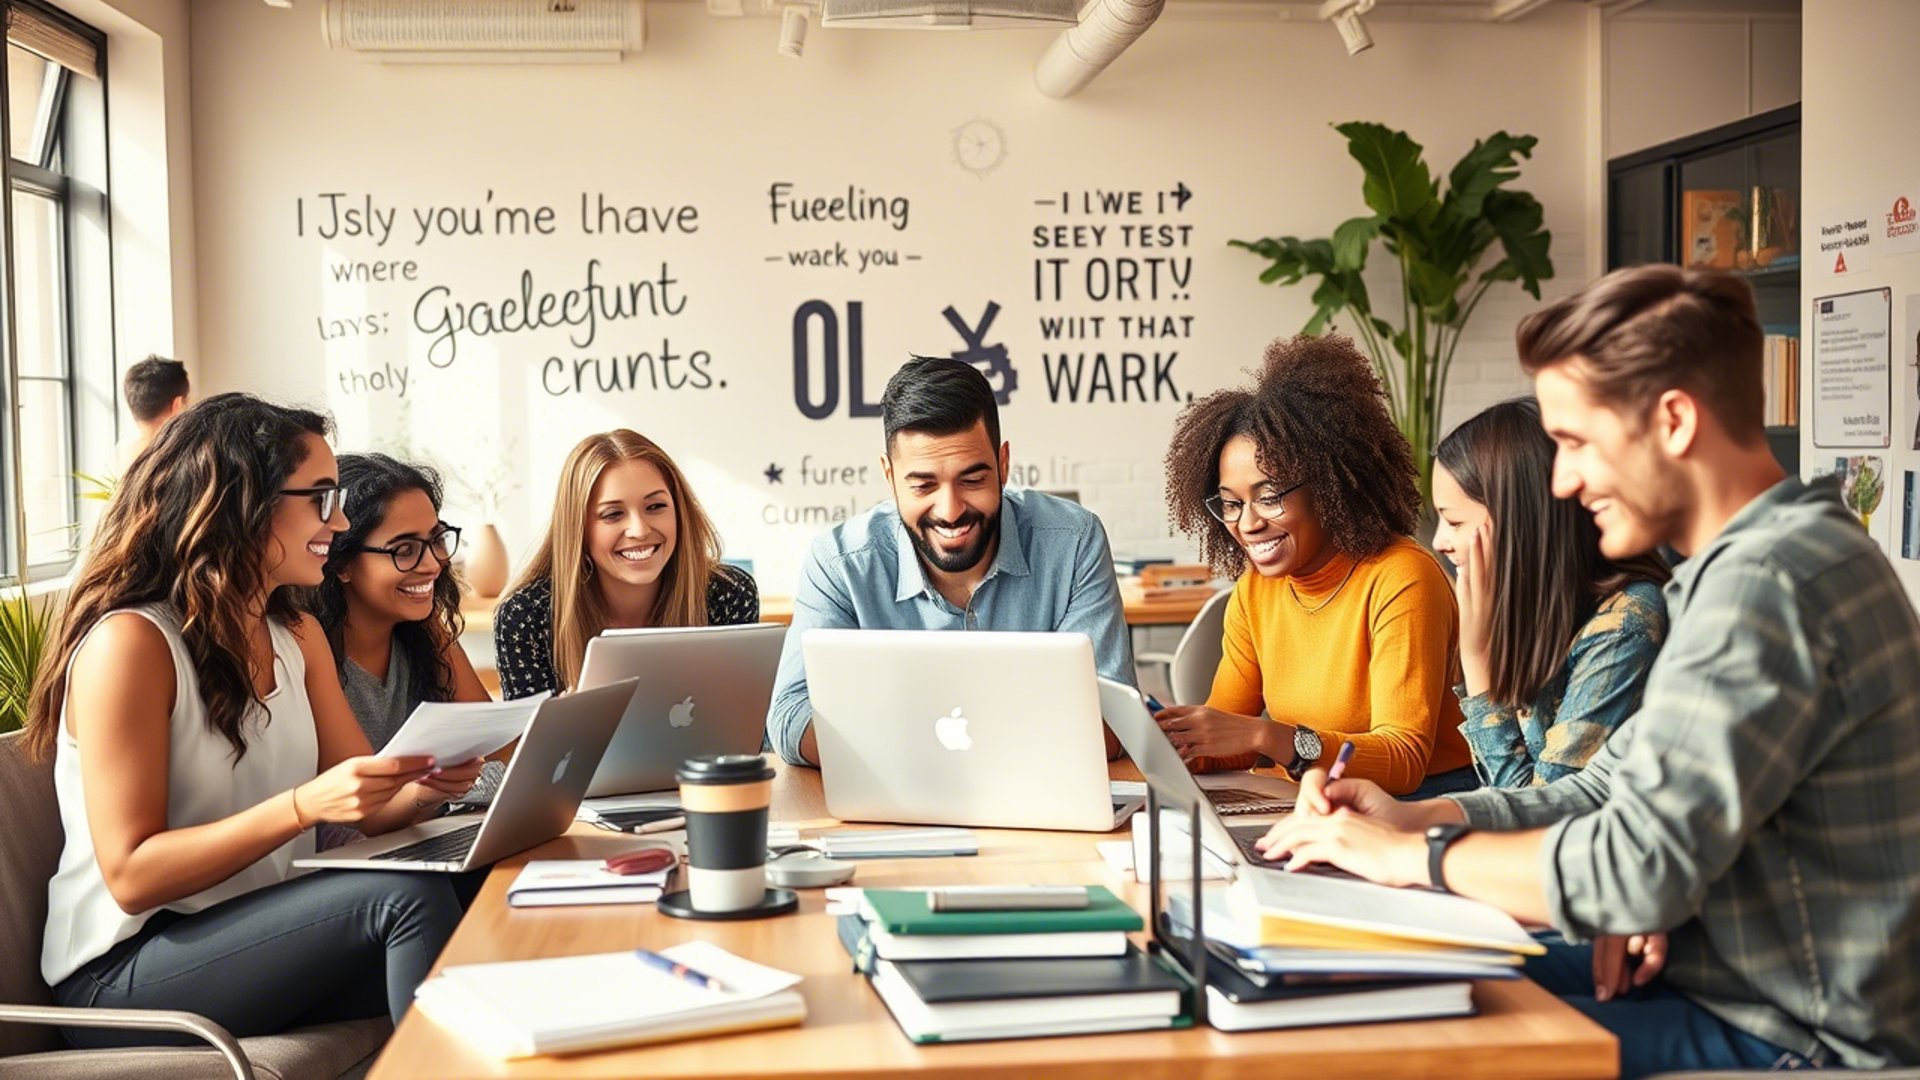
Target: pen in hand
<point x="1340" y="762"/>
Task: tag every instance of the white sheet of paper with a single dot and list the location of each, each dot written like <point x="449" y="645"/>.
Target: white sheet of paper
<point x="451" y="732"/>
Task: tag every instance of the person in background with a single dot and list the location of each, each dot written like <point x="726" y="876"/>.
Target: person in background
<point x="1555" y="638"/>
<point x="628" y="546"/>
<point x="198" y="734"/>
<point x="954" y="550"/>
<point x="389" y="604"/>
<point x="1340" y="626"/>
<point x="1752" y="832"/>
<point x="156" y="390"/>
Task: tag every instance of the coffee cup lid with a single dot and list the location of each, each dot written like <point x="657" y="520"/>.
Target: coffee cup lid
<point x="724" y="769"/>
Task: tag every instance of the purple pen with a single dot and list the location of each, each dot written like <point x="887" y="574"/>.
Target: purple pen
<point x="1340" y="762"/>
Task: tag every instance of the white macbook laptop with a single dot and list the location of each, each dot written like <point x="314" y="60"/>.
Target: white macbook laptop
<point x="536" y="801"/>
<point x="703" y="690"/>
<point x="985" y="728"/>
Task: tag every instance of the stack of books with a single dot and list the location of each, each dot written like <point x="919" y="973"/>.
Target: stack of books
<point x="1288" y="950"/>
<point x="963" y="976"/>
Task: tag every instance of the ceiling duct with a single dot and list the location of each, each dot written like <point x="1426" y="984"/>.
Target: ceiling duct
<point x="948" y="14"/>
<point x="487" y="31"/>
<point x="1079" y="55"/>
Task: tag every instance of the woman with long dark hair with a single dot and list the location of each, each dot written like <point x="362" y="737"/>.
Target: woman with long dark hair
<point x="1340" y="627"/>
<point x="628" y="546"/>
<point x="198" y="735"/>
<point x="1555" y="638"/>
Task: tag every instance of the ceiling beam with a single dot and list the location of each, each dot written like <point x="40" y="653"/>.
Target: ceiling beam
<point x="1509" y="10"/>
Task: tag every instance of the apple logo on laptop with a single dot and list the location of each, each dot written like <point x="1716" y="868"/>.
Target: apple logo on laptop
<point x="560" y="770"/>
<point x="951" y="730"/>
<point x="681" y="715"/>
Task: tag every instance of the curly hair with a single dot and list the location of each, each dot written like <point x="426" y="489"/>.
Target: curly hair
<point x="1318" y="417"/>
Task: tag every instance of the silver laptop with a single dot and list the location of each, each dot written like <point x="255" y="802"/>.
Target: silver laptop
<point x="988" y="728"/>
<point x="703" y="690"/>
<point x="1160" y="764"/>
<point x="536" y="801"/>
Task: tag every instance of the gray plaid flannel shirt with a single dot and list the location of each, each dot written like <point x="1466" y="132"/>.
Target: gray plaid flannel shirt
<point x="1763" y="806"/>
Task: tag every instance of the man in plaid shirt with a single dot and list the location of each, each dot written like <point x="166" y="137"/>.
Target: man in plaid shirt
<point x="1763" y="807"/>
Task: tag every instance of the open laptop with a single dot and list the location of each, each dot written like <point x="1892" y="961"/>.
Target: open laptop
<point x="535" y="803"/>
<point x="986" y="728"/>
<point x="703" y="690"/>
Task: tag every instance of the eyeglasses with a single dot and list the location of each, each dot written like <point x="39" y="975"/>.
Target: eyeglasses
<point x="1269" y="507"/>
<point x="327" y="500"/>
<point x="406" y="554"/>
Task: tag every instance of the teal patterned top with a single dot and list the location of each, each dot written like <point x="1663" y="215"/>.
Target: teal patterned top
<point x="1596" y="690"/>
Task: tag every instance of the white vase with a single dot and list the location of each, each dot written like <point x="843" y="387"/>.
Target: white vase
<point x="487" y="563"/>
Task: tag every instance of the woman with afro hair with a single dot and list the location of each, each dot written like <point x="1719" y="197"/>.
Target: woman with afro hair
<point x="1340" y="626"/>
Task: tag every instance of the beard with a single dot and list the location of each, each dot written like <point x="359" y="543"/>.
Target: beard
<point x="955" y="562"/>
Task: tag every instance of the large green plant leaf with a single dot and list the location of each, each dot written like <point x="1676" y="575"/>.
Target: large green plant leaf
<point x="1397" y="183"/>
<point x="1516" y="218"/>
<point x="1351" y="241"/>
<point x="23" y="637"/>
<point x="1492" y="162"/>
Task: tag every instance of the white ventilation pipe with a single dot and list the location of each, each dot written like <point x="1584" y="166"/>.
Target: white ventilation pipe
<point x="1079" y="55"/>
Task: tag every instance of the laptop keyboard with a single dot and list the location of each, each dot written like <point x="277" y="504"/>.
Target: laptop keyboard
<point x="1243" y="838"/>
<point x="447" y="847"/>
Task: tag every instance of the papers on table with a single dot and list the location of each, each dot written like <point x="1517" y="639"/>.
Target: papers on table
<point x="927" y="842"/>
<point x="564" y="882"/>
<point x="451" y="732"/>
<point x="574" y="1003"/>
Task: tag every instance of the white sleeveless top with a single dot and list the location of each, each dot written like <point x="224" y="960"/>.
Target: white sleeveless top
<point x="204" y="784"/>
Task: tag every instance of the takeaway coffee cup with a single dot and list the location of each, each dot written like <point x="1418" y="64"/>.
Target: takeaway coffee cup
<point x="725" y="799"/>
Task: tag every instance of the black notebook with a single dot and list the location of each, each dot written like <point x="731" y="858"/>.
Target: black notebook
<point x="1236" y="1003"/>
<point x="939" y="982"/>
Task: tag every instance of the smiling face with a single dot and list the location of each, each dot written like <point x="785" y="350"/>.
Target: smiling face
<point x="376" y="591"/>
<point x="947" y="488"/>
<point x="297" y="540"/>
<point x="1634" y="491"/>
<point x="1289" y="545"/>
<point x="632" y="524"/>
<point x="1460" y="517"/>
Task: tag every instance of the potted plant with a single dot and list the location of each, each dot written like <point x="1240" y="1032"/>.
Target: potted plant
<point x="1438" y="238"/>
<point x="23" y="639"/>
<point x="482" y="481"/>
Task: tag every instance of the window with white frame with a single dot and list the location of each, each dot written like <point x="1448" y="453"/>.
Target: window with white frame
<point x="58" y="303"/>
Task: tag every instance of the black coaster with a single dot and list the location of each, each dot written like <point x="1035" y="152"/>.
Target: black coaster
<point x="775" y="902"/>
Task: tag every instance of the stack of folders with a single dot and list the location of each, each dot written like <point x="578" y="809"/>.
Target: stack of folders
<point x="963" y="976"/>
<point x="575" y="1003"/>
<point x="1291" y="950"/>
<point x="568" y="882"/>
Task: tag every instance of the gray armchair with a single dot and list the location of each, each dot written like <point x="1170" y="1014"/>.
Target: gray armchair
<point x="30" y="841"/>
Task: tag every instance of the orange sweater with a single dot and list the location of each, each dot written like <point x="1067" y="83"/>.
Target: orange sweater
<point x="1375" y="666"/>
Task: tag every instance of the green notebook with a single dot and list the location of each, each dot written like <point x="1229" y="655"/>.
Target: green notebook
<point x="904" y="911"/>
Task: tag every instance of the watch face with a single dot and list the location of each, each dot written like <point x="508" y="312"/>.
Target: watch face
<point x="1306" y="743"/>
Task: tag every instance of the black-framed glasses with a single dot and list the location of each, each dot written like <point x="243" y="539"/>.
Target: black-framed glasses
<point x="327" y="499"/>
<point x="406" y="554"/>
<point x="1268" y="506"/>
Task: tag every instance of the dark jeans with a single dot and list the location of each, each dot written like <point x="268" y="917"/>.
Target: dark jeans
<point x="330" y="945"/>
<point x="1659" y="1029"/>
<point x="1446" y="783"/>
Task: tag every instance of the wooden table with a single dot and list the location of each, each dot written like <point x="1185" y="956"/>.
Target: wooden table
<point x="478" y="611"/>
<point x="1521" y="1032"/>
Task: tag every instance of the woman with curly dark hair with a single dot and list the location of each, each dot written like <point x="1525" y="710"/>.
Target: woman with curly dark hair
<point x="1340" y="626"/>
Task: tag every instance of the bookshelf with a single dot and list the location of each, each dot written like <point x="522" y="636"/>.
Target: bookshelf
<point x="1727" y="198"/>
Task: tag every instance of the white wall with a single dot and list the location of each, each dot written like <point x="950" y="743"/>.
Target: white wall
<point x="1236" y="110"/>
<point x="1677" y="67"/>
<point x="1857" y="156"/>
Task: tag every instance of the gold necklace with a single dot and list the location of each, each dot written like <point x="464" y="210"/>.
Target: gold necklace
<point x="1336" y="591"/>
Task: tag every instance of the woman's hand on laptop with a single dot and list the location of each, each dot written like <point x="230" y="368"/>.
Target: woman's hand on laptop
<point x="356" y="789"/>
<point x="1200" y="731"/>
<point x="1322" y="798"/>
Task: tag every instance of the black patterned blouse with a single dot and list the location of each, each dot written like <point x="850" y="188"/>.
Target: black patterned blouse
<point x="523" y="628"/>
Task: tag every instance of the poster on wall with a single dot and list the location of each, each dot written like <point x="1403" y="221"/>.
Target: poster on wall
<point x="1853" y="370"/>
<point x="1899" y="232"/>
<point x="1845" y="239"/>
<point x="1912" y="348"/>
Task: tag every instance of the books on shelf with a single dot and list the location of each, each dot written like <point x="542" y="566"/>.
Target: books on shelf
<point x="962" y="1001"/>
<point x="575" y="1003"/>
<point x="1781" y="373"/>
<point x="566" y="882"/>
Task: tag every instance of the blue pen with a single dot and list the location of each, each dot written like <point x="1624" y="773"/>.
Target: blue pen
<point x="1153" y="704"/>
<point x="678" y="970"/>
<point x="1340" y="762"/>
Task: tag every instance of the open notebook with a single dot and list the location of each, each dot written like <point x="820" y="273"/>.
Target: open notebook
<point x="574" y="1003"/>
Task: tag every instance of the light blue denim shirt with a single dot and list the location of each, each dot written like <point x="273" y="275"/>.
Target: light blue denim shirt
<point x="1053" y="571"/>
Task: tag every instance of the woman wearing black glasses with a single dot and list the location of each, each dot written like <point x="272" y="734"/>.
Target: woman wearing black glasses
<point x="1341" y="627"/>
<point x="390" y="603"/>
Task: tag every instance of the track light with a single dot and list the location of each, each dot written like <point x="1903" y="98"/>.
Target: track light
<point x="1345" y="15"/>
